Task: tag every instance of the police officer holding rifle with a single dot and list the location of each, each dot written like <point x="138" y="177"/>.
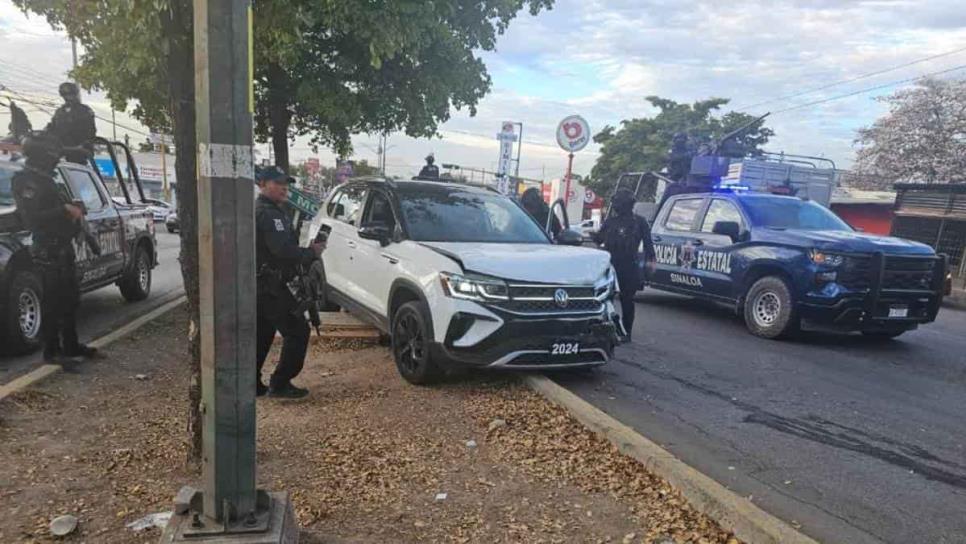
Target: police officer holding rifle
<point x="281" y="303"/>
<point x="54" y="222"/>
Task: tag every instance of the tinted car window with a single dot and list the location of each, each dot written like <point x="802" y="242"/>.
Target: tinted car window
<point x="379" y="211"/>
<point x="456" y="215"/>
<point x="720" y="210"/>
<point x="792" y="213"/>
<point x="346" y="205"/>
<point x="84" y="189"/>
<point x="682" y="214"/>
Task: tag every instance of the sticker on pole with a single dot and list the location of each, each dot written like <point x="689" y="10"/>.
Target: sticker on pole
<point x="573" y="133"/>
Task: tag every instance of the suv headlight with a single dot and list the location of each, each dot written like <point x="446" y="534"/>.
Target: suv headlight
<point x="477" y="288"/>
<point x="606" y="286"/>
<point x="826" y="259"/>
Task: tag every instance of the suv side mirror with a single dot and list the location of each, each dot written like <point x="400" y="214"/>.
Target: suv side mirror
<point x="377" y="232"/>
<point x="569" y="237"/>
<point x="731" y="229"/>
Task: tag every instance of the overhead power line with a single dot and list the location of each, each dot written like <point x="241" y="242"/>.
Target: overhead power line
<point x="850" y="80"/>
<point x="870" y="89"/>
<point x="43" y="106"/>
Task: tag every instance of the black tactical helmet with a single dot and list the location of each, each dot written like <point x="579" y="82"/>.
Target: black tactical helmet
<point x="42" y="148"/>
<point x="430" y="159"/>
<point x="623" y="201"/>
<point x="68" y="88"/>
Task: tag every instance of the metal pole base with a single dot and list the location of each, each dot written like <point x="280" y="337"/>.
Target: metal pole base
<point x="272" y="523"/>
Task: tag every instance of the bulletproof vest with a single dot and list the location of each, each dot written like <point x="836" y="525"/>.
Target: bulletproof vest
<point x="74" y="125"/>
<point x="622" y="238"/>
<point x="43" y="193"/>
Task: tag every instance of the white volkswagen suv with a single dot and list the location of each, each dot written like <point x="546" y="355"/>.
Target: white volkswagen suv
<point x="461" y="275"/>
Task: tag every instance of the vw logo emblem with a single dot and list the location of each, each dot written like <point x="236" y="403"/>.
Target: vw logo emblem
<point x="561" y="297"/>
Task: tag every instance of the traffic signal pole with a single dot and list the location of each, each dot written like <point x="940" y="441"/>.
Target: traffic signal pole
<point x="229" y="508"/>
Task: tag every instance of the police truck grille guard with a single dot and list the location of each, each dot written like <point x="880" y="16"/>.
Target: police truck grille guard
<point x="890" y="273"/>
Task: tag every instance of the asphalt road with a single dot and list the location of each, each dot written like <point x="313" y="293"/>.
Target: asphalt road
<point x="104" y="310"/>
<point x="855" y="440"/>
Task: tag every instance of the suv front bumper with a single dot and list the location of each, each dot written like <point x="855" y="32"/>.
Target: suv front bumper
<point x="872" y="309"/>
<point x="526" y="343"/>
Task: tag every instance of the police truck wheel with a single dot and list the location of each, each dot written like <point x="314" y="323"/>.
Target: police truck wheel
<point x="21" y="323"/>
<point x="411" y="341"/>
<point x="136" y="284"/>
<point x="769" y="309"/>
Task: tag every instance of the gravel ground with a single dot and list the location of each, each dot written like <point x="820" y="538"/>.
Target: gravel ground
<point x="366" y="457"/>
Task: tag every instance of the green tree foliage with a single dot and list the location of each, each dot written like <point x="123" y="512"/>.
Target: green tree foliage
<point x="642" y="144"/>
<point x="331" y="69"/>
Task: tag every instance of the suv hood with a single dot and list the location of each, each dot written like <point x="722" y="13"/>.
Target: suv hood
<point x="848" y="242"/>
<point x="538" y="263"/>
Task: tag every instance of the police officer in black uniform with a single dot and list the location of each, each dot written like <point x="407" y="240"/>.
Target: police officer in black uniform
<point x="73" y="124"/>
<point x="622" y="235"/>
<point x="430" y="172"/>
<point x="532" y="202"/>
<point x="53" y="223"/>
<point x="277" y="257"/>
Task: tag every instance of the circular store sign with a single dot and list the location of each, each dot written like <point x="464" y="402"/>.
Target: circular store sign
<point x="573" y="133"/>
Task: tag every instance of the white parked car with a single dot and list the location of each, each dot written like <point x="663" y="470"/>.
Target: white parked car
<point x="463" y="276"/>
<point x="159" y="209"/>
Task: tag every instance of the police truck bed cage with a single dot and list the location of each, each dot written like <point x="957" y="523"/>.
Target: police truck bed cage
<point x="794" y="175"/>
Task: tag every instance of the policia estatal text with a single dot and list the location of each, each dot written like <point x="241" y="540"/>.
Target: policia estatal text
<point x="277" y="259"/>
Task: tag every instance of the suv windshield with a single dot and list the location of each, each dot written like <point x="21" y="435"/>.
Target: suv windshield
<point x="448" y="214"/>
<point x="792" y="213"/>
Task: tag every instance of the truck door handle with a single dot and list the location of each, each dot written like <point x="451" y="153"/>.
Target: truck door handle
<point x="697" y="242"/>
<point x="351" y="244"/>
<point x="656" y="238"/>
<point x="390" y="258"/>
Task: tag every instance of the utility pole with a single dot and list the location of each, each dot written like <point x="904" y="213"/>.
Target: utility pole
<point x="229" y="508"/>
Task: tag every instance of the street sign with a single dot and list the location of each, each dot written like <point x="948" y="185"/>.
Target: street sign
<point x="158" y="139"/>
<point x="313" y="166"/>
<point x="506" y="136"/>
<point x="573" y="133"/>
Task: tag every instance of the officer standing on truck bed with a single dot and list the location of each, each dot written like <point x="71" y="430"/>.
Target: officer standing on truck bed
<point x="277" y="258"/>
<point x="53" y="224"/>
<point x="622" y="235"/>
<point x="73" y="124"/>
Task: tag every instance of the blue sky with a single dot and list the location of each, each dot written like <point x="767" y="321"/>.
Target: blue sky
<point x="601" y="58"/>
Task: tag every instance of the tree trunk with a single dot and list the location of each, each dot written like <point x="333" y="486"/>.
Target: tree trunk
<point x="279" y="115"/>
<point x="178" y="31"/>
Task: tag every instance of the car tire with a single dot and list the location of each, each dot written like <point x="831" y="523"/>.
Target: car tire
<point x="769" y="309"/>
<point x="411" y="341"/>
<point x="136" y="283"/>
<point x="22" y="332"/>
<point x="171" y="230"/>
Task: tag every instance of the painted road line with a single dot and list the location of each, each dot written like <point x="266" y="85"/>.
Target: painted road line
<point x="734" y="513"/>
<point x="45" y="371"/>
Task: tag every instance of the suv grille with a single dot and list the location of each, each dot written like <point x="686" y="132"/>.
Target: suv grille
<point x="899" y="273"/>
<point x="540" y="299"/>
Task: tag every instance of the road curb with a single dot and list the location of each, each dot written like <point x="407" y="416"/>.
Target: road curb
<point x="39" y="374"/>
<point x="736" y="514"/>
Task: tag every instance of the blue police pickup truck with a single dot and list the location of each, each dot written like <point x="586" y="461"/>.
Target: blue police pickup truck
<point x="784" y="263"/>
